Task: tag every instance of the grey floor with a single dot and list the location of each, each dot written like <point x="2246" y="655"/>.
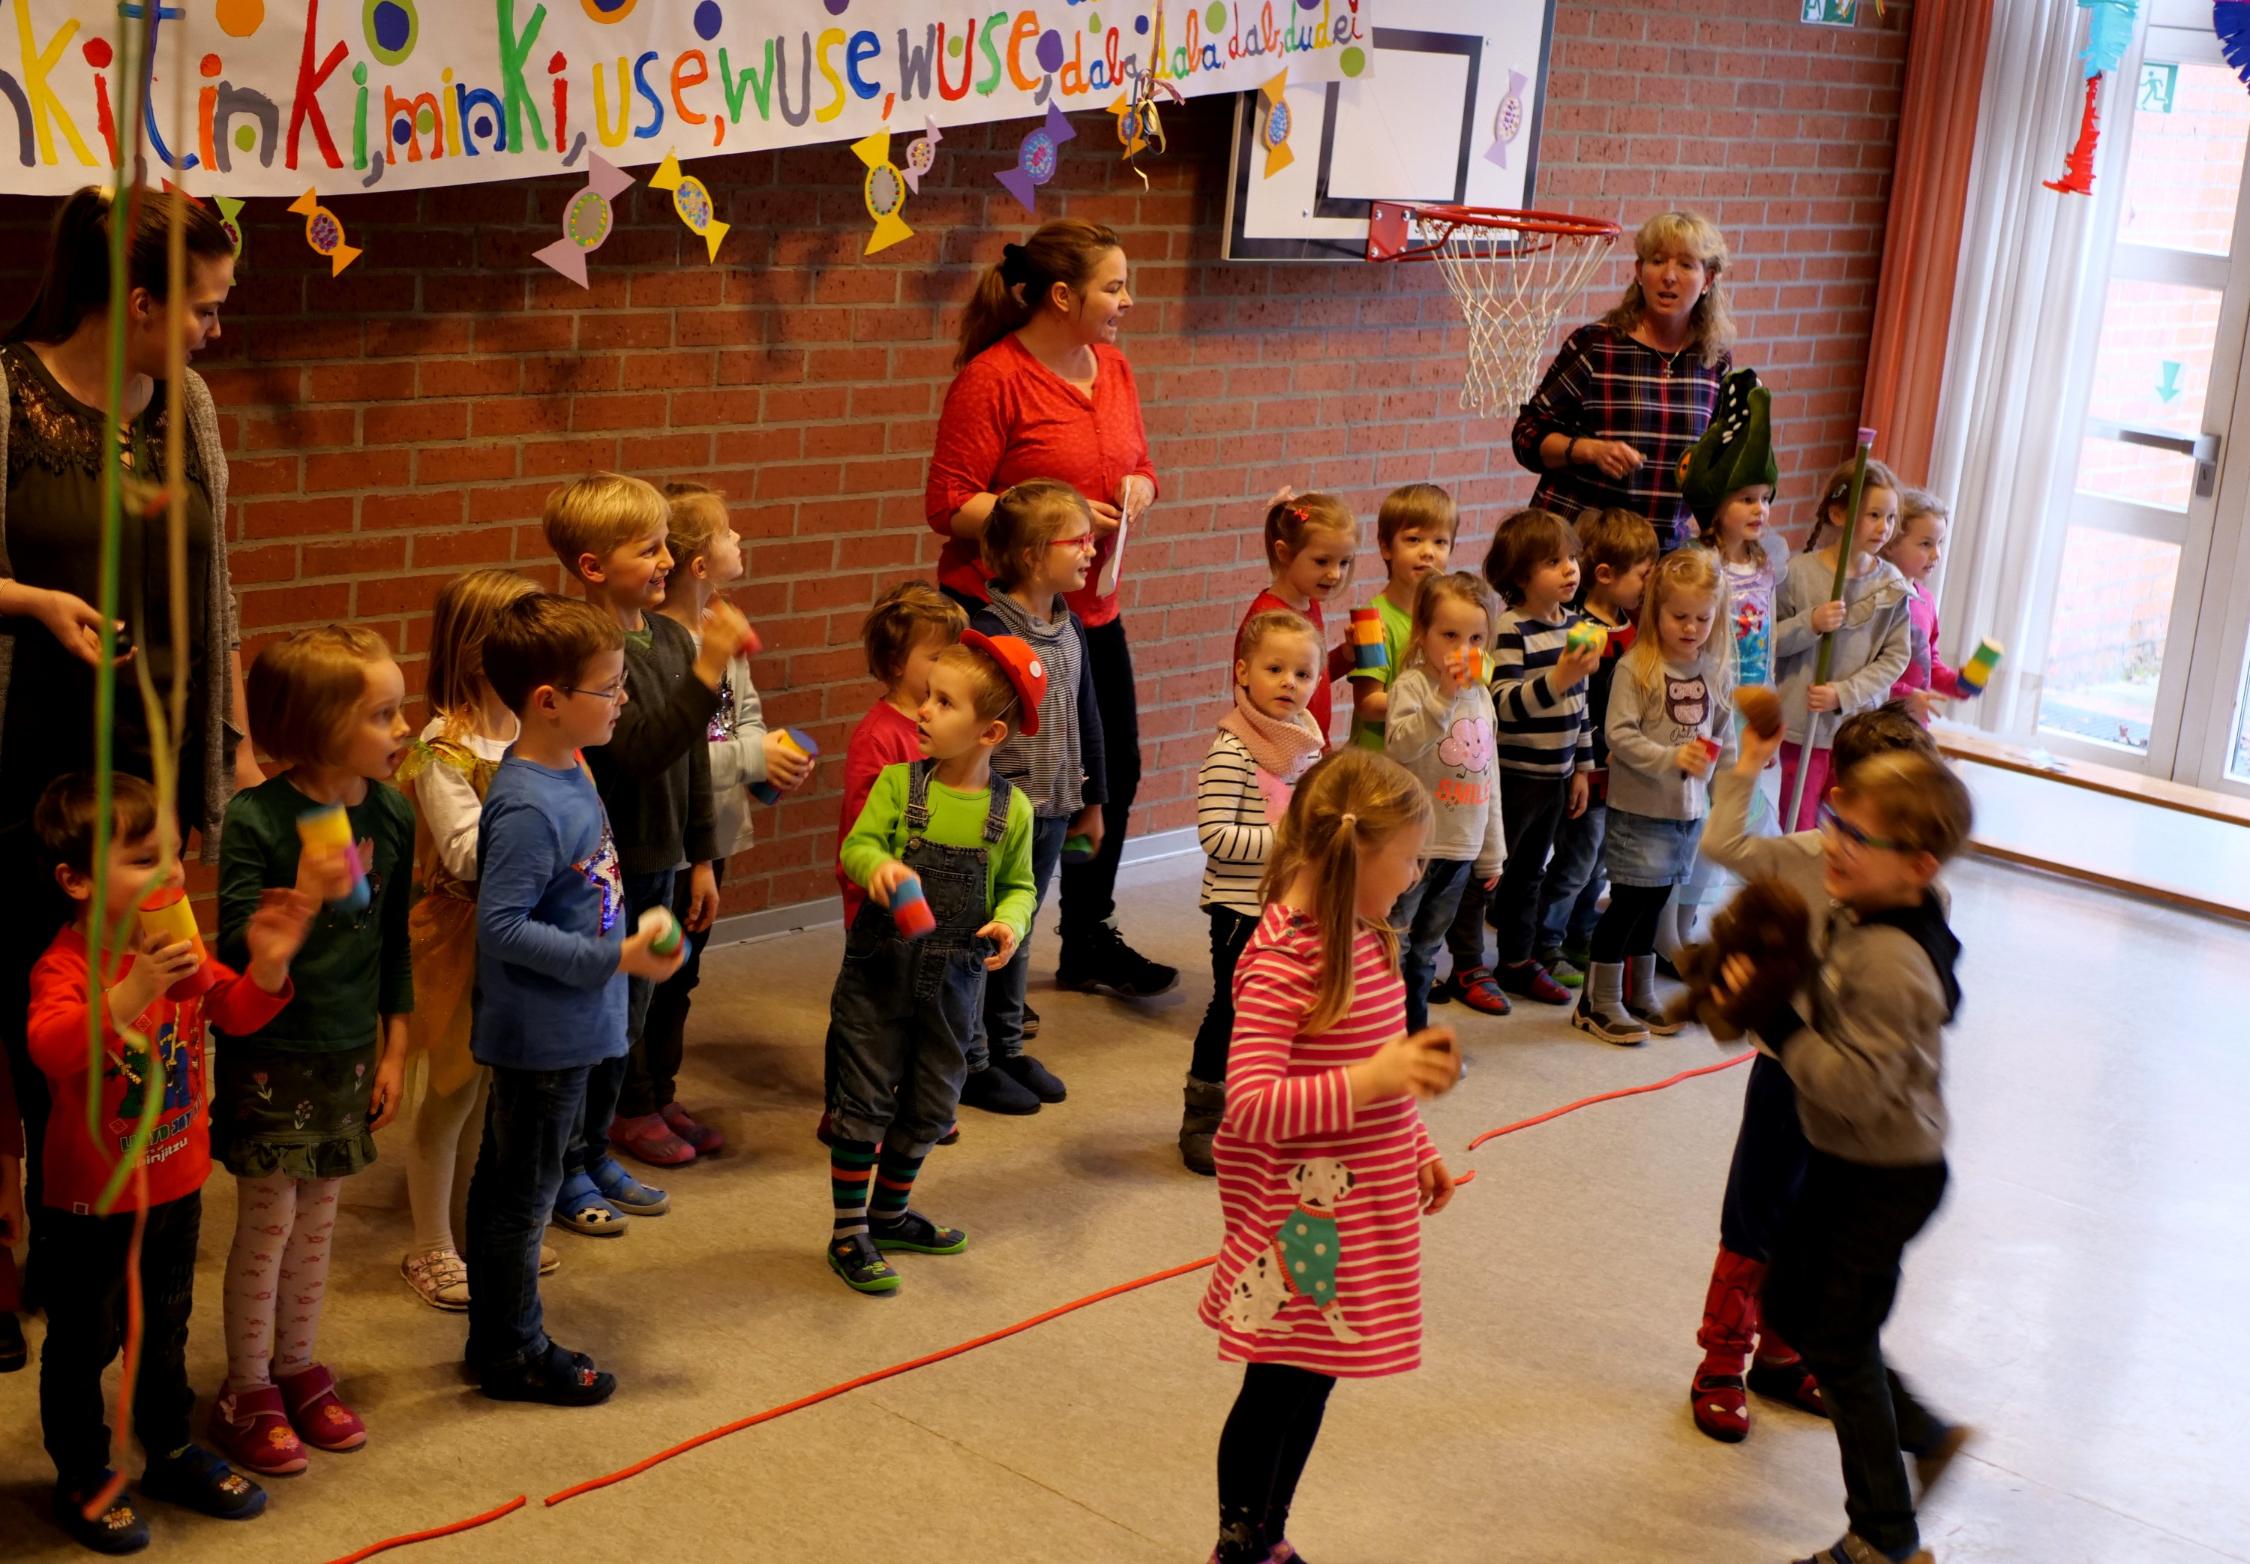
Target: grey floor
<point x="2079" y="1299"/>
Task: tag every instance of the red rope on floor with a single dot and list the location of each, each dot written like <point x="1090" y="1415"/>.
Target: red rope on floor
<point x="1622" y="1091"/>
<point x="435" y="1532"/>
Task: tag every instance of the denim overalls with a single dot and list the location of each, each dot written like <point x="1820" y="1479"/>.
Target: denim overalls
<point x="905" y="1011"/>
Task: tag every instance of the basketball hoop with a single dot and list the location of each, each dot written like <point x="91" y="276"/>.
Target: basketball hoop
<point x="1514" y="274"/>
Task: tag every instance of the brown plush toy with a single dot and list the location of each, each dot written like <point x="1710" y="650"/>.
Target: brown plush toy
<point x="1761" y="708"/>
<point x="1769" y="923"/>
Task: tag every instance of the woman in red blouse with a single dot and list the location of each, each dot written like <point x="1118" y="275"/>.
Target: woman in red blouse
<point x="1043" y="392"/>
<point x="1629" y="394"/>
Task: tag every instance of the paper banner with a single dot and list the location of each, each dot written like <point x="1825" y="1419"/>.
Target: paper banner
<point x="1037" y="158"/>
<point x="691" y="201"/>
<point x="587" y="221"/>
<point x="1273" y="124"/>
<point x="322" y="231"/>
<point x="884" y="191"/>
<point x="332" y="94"/>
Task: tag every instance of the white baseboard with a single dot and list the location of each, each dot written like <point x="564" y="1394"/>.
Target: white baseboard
<point x="772" y="922"/>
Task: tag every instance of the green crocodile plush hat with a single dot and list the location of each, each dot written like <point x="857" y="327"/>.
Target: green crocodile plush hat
<point x="1736" y="451"/>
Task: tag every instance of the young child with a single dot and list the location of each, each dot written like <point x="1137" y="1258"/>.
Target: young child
<point x="1914" y="553"/>
<point x="655" y="779"/>
<point x="1616" y="550"/>
<point x="1414" y="532"/>
<point x="445" y="776"/>
<point x="1870" y="622"/>
<point x="902" y="636"/>
<point x="297" y="1105"/>
<point x="1545" y="750"/>
<point x="1768" y="1166"/>
<point x="1668" y="724"/>
<point x="1439" y="726"/>
<point x="1322" y="1132"/>
<point x="1038" y="543"/>
<point x="1311" y="541"/>
<point x="554" y="954"/>
<point x="84" y="1255"/>
<point x="706" y="559"/>
<point x="905" y="1009"/>
<point x="1262" y="747"/>
<point x="1867" y="1064"/>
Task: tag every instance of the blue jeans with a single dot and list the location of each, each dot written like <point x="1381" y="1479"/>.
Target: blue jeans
<point x="1570" y="899"/>
<point x="1002" y="1032"/>
<point x="605" y="1082"/>
<point x="1230" y="936"/>
<point x="1769" y="1163"/>
<point x="1420" y="918"/>
<point x="529" y="1117"/>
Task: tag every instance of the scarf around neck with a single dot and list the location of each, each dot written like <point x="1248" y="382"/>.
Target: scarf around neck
<point x="1284" y="748"/>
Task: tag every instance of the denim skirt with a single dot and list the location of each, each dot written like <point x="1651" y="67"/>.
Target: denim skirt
<point x="1643" y="850"/>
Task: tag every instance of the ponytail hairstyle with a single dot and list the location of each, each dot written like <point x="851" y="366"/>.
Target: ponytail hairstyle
<point x="1066" y="250"/>
<point x="698" y="514"/>
<point x="466" y="608"/>
<point x="1683" y="570"/>
<point x="1296" y="518"/>
<point x="1349" y="802"/>
<point x="1459" y="586"/>
<point x="76" y="281"/>
<point x="1836" y="493"/>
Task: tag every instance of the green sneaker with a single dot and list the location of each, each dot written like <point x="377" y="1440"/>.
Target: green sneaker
<point x="917" y="1234"/>
<point x="1563" y="969"/>
<point x="863" y="1270"/>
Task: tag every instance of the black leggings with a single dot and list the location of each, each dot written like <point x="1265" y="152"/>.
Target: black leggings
<point x="1628" y="925"/>
<point x="1262" y="1452"/>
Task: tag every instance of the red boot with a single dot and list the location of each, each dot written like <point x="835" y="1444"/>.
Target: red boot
<point x="1719" y="1399"/>
<point x="1780" y="1375"/>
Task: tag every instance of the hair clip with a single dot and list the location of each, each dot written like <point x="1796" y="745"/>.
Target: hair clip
<point x="1300" y="513"/>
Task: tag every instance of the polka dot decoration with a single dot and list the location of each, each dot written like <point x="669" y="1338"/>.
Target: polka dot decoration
<point x="392" y="28"/>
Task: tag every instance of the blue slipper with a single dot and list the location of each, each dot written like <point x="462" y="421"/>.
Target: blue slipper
<point x="199" y="1480"/>
<point x="626" y="1192"/>
<point x="580" y="1207"/>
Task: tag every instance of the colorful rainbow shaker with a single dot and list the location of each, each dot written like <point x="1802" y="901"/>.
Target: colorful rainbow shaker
<point x="1367" y="642"/>
<point x="910" y="910"/>
<point x="1586" y="633"/>
<point x="1977" y="671"/>
<point x="332" y="827"/>
<point x="800" y="741"/>
<point x="166" y="915"/>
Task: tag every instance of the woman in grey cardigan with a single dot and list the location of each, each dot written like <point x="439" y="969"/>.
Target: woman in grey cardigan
<point x="54" y="385"/>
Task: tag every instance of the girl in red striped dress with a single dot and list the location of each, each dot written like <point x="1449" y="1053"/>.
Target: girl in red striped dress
<point x="1325" y="1168"/>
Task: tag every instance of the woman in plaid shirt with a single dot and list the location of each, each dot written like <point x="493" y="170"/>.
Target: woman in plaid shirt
<point x="1629" y="394"/>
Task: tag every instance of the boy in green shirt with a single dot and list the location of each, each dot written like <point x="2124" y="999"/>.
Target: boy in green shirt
<point x="1414" y="531"/>
<point x="945" y="842"/>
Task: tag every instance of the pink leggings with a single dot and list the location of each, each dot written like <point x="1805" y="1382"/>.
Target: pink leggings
<point x="277" y="1275"/>
<point x="1816" y="787"/>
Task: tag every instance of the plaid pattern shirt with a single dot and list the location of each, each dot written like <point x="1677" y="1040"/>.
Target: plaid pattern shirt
<point x="1603" y="385"/>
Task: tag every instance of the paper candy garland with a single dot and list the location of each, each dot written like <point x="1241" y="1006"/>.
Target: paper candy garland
<point x="1138" y="126"/>
<point x="1273" y="125"/>
<point x="324" y="232"/>
<point x="1036" y="158"/>
<point x="2109" y="30"/>
<point x="2230" y="19"/>
<point x="884" y="190"/>
<point x="921" y="156"/>
<point x="691" y="200"/>
<point x="1507" y="120"/>
<point x="2078" y="167"/>
<point x="587" y="221"/>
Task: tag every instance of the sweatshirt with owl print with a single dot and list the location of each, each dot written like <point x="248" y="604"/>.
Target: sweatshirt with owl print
<point x="1649" y="719"/>
<point x="1447" y="743"/>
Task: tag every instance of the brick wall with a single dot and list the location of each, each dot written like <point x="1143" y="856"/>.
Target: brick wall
<point x="394" y="426"/>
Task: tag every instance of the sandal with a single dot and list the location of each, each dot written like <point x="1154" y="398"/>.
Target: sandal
<point x="917" y="1234"/>
<point x="649" y="1139"/>
<point x="627" y="1193"/>
<point x="439" y="1278"/>
<point x="195" y="1479"/>
<point x="707" y="1141"/>
<point x="557" y="1378"/>
<point x="118" y="1529"/>
<point x="318" y="1413"/>
<point x="549" y="1261"/>
<point x="863" y="1270"/>
<point x="580" y="1207"/>
<point x="252" y="1431"/>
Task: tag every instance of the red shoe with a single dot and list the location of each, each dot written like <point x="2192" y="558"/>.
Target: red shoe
<point x="1479" y="992"/>
<point x="649" y="1139"/>
<point x="1718" y="1398"/>
<point x="1533" y="982"/>
<point x="252" y="1431"/>
<point x="1779" y="1374"/>
<point x="706" y="1141"/>
<point x="1721" y="1407"/>
<point x="320" y="1418"/>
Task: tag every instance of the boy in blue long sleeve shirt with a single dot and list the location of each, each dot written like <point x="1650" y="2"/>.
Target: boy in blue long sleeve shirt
<point x="553" y="957"/>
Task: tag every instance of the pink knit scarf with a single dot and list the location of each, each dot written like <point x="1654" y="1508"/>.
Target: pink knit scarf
<point x="1284" y="748"/>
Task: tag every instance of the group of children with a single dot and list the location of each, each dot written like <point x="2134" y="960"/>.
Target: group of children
<point x="526" y="911"/>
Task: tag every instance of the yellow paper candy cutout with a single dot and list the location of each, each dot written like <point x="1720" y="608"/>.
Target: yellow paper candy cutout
<point x="692" y="201"/>
<point x="884" y="191"/>
<point x="1273" y="125"/>
<point x="324" y="231"/>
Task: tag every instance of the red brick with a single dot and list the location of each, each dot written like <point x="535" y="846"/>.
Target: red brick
<point x="415" y="423"/>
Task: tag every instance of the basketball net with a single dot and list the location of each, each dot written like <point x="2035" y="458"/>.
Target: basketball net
<point x="1514" y="274"/>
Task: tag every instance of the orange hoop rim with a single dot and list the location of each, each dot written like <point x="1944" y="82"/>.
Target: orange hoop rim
<point x="1388" y="226"/>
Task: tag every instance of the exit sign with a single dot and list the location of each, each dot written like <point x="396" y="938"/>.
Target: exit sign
<point x="2160" y="88"/>
<point x="1831" y="13"/>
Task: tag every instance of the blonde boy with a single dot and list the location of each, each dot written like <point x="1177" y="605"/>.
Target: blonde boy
<point x="1414" y="532"/>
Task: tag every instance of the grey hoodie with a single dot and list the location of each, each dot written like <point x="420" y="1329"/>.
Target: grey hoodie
<point x="1868" y="1066"/>
<point x="1872" y="645"/>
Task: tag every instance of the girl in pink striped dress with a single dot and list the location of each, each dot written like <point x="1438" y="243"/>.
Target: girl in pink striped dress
<point x="1325" y="1168"/>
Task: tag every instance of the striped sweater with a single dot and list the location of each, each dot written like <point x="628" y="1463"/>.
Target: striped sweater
<point x="1290" y="1136"/>
<point x="1540" y="729"/>
<point x="1235" y="824"/>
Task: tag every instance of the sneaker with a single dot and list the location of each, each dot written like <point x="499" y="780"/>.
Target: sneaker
<point x="439" y="1278"/>
<point x="559" y="1378"/>
<point x="996" y="1091"/>
<point x="647" y="1138"/>
<point x="1480" y="992"/>
<point x="1102" y="961"/>
<point x="626" y="1192"/>
<point x="707" y="1141"/>
<point x="1622" y="1030"/>
<point x="1445" y="990"/>
<point x="1531" y="981"/>
<point x="1030" y="1022"/>
<point x="1852" y="1548"/>
<point x="1579" y="956"/>
<point x="549" y="1261"/>
<point x="318" y="1413"/>
<point x="252" y="1431"/>
<point x="117" y="1529"/>
<point x="1720" y="1406"/>
<point x="917" y="1234"/>
<point x="1562" y="969"/>
<point x="1930" y="1464"/>
<point x="863" y="1270"/>
<point x="195" y="1479"/>
<point x="1034" y="1077"/>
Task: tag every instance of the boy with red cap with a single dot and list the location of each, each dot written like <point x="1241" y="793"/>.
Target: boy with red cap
<point x="948" y="834"/>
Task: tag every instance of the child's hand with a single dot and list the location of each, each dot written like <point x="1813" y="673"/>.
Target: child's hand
<point x="703" y="898"/>
<point x="325" y="874"/>
<point x="1003" y="936"/>
<point x="1828" y="616"/>
<point x="1695" y="758"/>
<point x="889" y="875"/>
<point x="1925" y="704"/>
<point x="638" y="958"/>
<point x="1490" y="885"/>
<point x="724" y="632"/>
<point x="11" y="1199"/>
<point x="1756" y="753"/>
<point x="1088" y="823"/>
<point x="276" y="933"/>
<point x="1581" y="792"/>
<point x="390" y="1090"/>
<point x="1735" y="974"/>
<point x="1422" y="1066"/>
<point x="787" y="766"/>
<point x="1436" y="1185"/>
<point x="160" y="963"/>
<point x="1574" y="666"/>
<point x="1823" y="697"/>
